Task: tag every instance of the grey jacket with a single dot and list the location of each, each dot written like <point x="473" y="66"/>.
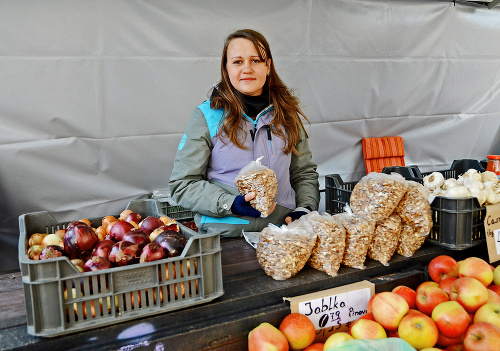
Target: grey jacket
<point x="205" y="168"/>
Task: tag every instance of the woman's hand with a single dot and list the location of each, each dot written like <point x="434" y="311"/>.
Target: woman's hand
<point x="296" y="214"/>
<point x="241" y="206"/>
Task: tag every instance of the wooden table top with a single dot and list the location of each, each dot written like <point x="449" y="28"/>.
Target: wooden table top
<point x="250" y="298"/>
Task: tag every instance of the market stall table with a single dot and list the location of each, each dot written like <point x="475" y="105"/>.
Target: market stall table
<point x="250" y="298"/>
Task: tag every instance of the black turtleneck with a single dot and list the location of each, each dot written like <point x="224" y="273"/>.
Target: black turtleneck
<point x="254" y="104"/>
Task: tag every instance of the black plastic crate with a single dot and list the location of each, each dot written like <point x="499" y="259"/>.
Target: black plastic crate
<point x="457" y="223"/>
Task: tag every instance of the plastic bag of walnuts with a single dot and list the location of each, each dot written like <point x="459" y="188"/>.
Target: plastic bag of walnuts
<point x="328" y="252"/>
<point x="414" y="208"/>
<point x="409" y="242"/>
<point x="262" y="181"/>
<point x="376" y="195"/>
<point x="282" y="251"/>
<point x="359" y="233"/>
<point x="385" y="239"/>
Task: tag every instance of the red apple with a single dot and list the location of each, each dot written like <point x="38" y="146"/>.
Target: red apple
<point x="482" y="336"/>
<point x="368" y="329"/>
<point x="444" y="341"/>
<point x="429" y="297"/>
<point x="388" y="309"/>
<point x="419" y="330"/>
<point x="489" y="312"/>
<point x="477" y="268"/>
<point x="267" y="337"/>
<point x="368" y="315"/>
<point x="317" y="346"/>
<point x="445" y="284"/>
<point x="451" y="319"/>
<point x="493" y="297"/>
<point x="456" y="347"/>
<point x="298" y="330"/>
<point x="495" y="288"/>
<point x="469" y="292"/>
<point x="407" y="293"/>
<point x="335" y="339"/>
<point x="427" y="283"/>
<point x="441" y="267"/>
<point x="369" y="304"/>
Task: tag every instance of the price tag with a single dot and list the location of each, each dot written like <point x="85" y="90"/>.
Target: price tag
<point x="332" y="310"/>
<point x="492" y="231"/>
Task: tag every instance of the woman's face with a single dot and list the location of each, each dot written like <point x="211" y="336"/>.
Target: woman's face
<point x="247" y="72"/>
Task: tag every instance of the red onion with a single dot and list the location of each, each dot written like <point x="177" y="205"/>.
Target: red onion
<point x="171" y="244"/>
<point x="137" y="236"/>
<point x="79" y="239"/>
<point x="124" y="253"/>
<point x="133" y="217"/>
<point x="150" y="223"/>
<point x="52" y="251"/>
<point x="152" y="252"/>
<point x="165" y="229"/>
<point x="118" y="229"/>
<point x="103" y="248"/>
<point x="96" y="263"/>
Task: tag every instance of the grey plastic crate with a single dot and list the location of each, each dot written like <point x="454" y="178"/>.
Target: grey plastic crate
<point x="60" y="300"/>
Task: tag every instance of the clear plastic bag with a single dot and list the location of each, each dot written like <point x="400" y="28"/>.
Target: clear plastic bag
<point x="282" y="251"/>
<point x="409" y="242"/>
<point x="376" y="195"/>
<point x="385" y="239"/>
<point x="261" y="180"/>
<point x="359" y="234"/>
<point x="328" y="252"/>
<point x="414" y="208"/>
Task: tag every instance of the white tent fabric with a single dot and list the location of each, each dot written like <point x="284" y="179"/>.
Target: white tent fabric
<point x="95" y="95"/>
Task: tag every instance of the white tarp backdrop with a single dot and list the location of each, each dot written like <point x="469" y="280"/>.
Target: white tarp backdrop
<point x="95" y="95"/>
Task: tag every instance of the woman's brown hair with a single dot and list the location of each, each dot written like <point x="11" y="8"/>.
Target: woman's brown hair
<point x="287" y="111"/>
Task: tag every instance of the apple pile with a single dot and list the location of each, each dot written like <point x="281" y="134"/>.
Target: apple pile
<point x="459" y="309"/>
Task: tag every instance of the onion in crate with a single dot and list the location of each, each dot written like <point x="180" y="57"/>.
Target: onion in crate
<point x="172" y="245"/>
<point x="52" y="251"/>
<point x="150" y="223"/>
<point x="103" y="248"/>
<point x="166" y="229"/>
<point x="96" y="263"/>
<point x="124" y="253"/>
<point x="152" y="252"/>
<point x="137" y="236"/>
<point x="79" y="239"/>
<point x="118" y="229"/>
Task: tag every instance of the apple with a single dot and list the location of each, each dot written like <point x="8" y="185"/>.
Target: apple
<point x="317" y="346"/>
<point x="451" y="319"/>
<point x="445" y="284"/>
<point x="369" y="304"/>
<point x="482" y="336"/>
<point x="429" y="297"/>
<point x="444" y="341"/>
<point x="427" y="283"/>
<point x="493" y="297"/>
<point x="469" y="292"/>
<point x="267" y="337"/>
<point x="368" y="329"/>
<point x="336" y="338"/>
<point x="496" y="275"/>
<point x="431" y="349"/>
<point x="368" y="315"/>
<point x="489" y="312"/>
<point x="407" y="293"/>
<point x="419" y="330"/>
<point x="441" y="267"/>
<point x="495" y="288"/>
<point x="477" y="268"/>
<point x="456" y="347"/>
<point x="298" y="330"/>
<point x="388" y="309"/>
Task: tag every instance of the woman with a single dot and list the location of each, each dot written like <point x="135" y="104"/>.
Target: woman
<point x="250" y="113"/>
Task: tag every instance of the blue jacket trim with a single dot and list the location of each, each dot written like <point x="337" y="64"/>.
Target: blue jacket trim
<point x="213" y="117"/>
<point x="182" y="142"/>
<point x="226" y="220"/>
